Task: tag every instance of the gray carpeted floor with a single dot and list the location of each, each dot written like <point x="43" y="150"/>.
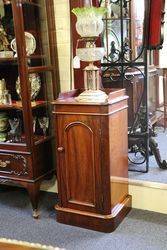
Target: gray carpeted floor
<point x="155" y="174"/>
<point x="140" y="230"/>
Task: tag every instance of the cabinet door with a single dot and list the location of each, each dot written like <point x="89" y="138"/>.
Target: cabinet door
<point x="79" y="162"/>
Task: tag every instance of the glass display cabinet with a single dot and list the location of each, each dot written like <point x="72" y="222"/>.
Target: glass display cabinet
<point x="27" y="85"/>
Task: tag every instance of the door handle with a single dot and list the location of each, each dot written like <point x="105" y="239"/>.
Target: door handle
<point x="60" y="149"/>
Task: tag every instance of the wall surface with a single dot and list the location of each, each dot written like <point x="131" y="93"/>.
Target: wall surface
<point x="62" y="15"/>
<point x="149" y="196"/>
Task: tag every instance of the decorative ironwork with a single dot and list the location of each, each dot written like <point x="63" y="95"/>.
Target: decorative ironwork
<point x="121" y="65"/>
<point x="137" y="143"/>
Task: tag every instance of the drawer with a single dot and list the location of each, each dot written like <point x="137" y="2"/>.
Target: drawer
<point x="15" y="164"/>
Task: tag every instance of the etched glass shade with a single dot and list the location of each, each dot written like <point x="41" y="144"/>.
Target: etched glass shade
<point x="89" y="21"/>
<point x="90" y="54"/>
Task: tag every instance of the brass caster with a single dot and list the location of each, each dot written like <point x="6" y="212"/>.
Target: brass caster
<point x="35" y="214"/>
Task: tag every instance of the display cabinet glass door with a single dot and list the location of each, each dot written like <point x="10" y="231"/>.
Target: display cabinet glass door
<point x="34" y="54"/>
<point x="11" y="116"/>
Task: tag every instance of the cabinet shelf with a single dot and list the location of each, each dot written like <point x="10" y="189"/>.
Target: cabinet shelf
<point x="41" y="139"/>
<point x="8" y="59"/>
<point x="36" y="57"/>
<point x="13" y="146"/>
<point x="116" y="18"/>
<point x="38" y="139"/>
<point x="40" y="69"/>
<point x="18" y="105"/>
<point x="31" y="4"/>
<point x="24" y="2"/>
<point x="14" y="60"/>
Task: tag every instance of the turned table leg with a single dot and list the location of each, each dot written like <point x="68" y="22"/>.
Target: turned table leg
<point x="33" y="190"/>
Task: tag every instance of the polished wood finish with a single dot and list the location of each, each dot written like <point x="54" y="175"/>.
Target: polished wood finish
<point x="30" y="161"/>
<point x="92" y="162"/>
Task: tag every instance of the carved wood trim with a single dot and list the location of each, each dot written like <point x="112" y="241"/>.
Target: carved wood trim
<point x="77" y="123"/>
<point x="6" y="181"/>
<point x="13" y="159"/>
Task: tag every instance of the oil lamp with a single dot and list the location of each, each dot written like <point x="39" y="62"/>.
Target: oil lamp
<point x="89" y="25"/>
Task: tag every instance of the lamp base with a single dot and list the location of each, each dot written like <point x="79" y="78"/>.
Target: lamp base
<point x="92" y="96"/>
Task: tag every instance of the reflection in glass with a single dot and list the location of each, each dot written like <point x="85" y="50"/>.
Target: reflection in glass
<point x="44" y="124"/>
<point x="35" y="83"/>
<point x="138" y="26"/>
<point x="40" y="43"/>
<point x="6" y="30"/>
<point x="14" y="134"/>
<point x="124" y="27"/>
<point x="34" y="124"/>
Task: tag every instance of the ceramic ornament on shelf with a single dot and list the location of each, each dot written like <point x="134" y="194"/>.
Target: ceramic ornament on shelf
<point x="89" y="26"/>
<point x="30" y="44"/>
<point x="4" y="43"/>
<point x="35" y="83"/>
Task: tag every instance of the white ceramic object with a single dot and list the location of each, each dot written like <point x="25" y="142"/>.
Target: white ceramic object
<point x="90" y="54"/>
<point x="6" y="54"/>
<point x="30" y="44"/>
<point x="35" y="82"/>
<point x="92" y="96"/>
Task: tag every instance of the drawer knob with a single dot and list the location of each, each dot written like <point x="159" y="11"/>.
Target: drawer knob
<point x="60" y="149"/>
<point x="3" y="164"/>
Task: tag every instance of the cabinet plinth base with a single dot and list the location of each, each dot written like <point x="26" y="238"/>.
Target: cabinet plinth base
<point x="93" y="221"/>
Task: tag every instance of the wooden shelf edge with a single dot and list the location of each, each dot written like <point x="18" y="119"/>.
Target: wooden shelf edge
<point x="18" y="105"/>
<point x="43" y="139"/>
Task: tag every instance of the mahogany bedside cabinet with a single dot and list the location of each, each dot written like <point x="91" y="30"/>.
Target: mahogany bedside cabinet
<point x="92" y="161"/>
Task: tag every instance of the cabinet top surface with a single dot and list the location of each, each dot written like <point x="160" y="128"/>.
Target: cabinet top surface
<point x="68" y="98"/>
